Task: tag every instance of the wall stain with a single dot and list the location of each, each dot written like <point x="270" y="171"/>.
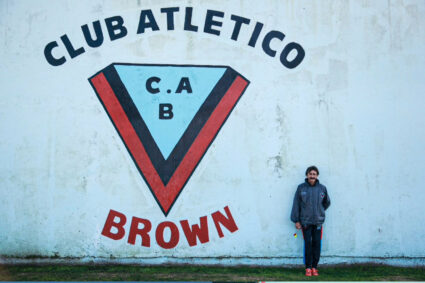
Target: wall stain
<point x="279" y="161"/>
<point x="137" y="48"/>
<point x="276" y="163"/>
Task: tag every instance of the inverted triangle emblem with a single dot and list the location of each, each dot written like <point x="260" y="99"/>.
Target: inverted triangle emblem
<point x="195" y="102"/>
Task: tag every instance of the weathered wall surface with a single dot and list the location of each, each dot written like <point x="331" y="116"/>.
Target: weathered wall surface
<point x="353" y="107"/>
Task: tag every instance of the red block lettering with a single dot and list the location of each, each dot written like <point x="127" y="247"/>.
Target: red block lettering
<point x="110" y="223"/>
<point x="196" y="232"/>
<point x="159" y="234"/>
<point x="135" y="230"/>
<point x="228" y="222"/>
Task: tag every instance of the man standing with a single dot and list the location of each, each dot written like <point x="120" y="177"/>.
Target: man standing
<point x="308" y="213"/>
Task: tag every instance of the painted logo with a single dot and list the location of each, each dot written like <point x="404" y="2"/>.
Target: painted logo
<point x="167" y="117"/>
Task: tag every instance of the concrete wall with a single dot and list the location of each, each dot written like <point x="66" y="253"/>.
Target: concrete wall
<point x="353" y="107"/>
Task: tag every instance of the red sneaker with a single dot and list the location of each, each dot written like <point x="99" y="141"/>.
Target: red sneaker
<point x="315" y="272"/>
<point x="308" y="272"/>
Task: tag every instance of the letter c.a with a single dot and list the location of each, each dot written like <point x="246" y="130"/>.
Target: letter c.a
<point x="149" y="86"/>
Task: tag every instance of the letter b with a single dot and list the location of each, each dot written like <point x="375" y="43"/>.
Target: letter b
<point x="107" y="229"/>
<point x="116" y="28"/>
<point x="166" y="111"/>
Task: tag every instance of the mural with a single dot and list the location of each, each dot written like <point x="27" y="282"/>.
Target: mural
<point x="177" y="131"/>
<point x="167" y="116"/>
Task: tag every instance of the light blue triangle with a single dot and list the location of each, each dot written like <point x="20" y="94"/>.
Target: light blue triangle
<point x="167" y="132"/>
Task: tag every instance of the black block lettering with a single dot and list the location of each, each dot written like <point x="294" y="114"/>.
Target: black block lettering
<point x="170" y="16"/>
<point x="71" y="50"/>
<point x="166" y="111"/>
<point x="150" y="23"/>
<point x="188" y="20"/>
<point x="149" y="84"/>
<point x="184" y="84"/>
<point x="255" y="34"/>
<point x="49" y="56"/>
<point x="99" y="35"/>
<point x="114" y="24"/>
<point x="209" y="22"/>
<point x="297" y="60"/>
<point x="268" y="38"/>
<point x="238" y="23"/>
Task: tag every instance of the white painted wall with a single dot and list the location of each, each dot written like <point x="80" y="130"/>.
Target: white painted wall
<point x="353" y="107"/>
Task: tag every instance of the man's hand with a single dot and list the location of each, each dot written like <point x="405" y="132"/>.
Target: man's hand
<point x="298" y="225"/>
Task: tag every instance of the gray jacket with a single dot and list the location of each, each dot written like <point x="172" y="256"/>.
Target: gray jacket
<point x="310" y="203"/>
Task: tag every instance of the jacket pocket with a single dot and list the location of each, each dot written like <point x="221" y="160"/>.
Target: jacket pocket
<point x="304" y="198"/>
<point x="321" y="213"/>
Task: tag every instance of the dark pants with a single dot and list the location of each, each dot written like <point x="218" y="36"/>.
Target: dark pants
<point x="312" y="243"/>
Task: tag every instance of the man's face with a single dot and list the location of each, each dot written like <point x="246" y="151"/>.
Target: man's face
<point x="312" y="177"/>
